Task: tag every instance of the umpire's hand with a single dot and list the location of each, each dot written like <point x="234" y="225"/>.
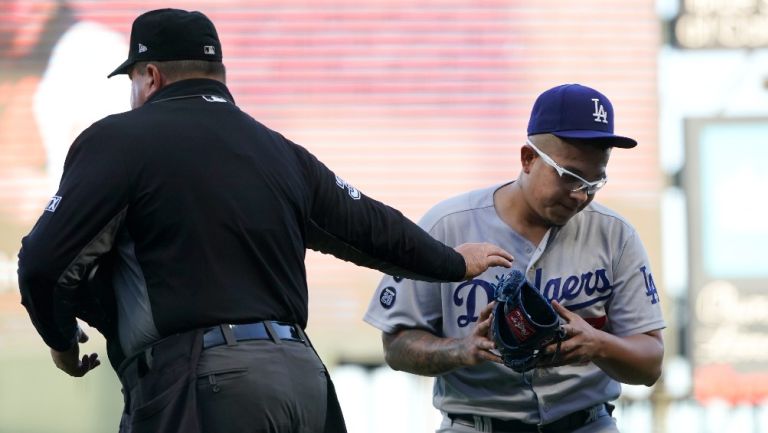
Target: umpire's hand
<point x="69" y="361"/>
<point x="480" y="256"/>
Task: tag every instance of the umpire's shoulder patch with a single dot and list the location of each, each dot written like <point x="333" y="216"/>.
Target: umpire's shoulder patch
<point x="387" y="297"/>
<point x="53" y="203"/>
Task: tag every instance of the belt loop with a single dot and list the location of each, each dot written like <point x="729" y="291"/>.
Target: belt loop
<point x="271" y="332"/>
<point x="301" y="333"/>
<point x="483" y="424"/>
<point x="594" y="413"/>
<point x="229" y="336"/>
<point x="144" y="362"/>
<point x="148" y="356"/>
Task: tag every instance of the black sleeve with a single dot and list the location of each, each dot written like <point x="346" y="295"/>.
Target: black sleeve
<point x="77" y="228"/>
<point x="346" y="223"/>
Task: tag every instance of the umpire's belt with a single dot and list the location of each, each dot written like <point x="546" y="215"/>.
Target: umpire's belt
<point x="565" y="424"/>
<point x="266" y="330"/>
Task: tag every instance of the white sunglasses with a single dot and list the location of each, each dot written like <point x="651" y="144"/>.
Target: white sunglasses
<point x="572" y="181"/>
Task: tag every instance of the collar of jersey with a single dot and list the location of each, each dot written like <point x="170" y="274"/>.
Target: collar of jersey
<point x="190" y="88"/>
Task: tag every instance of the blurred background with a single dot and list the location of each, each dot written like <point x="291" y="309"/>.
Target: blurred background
<point x="413" y="101"/>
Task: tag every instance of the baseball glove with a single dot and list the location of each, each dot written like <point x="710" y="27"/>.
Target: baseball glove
<point x="523" y="323"/>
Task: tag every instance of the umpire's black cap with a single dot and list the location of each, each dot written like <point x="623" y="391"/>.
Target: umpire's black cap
<point x="171" y="34"/>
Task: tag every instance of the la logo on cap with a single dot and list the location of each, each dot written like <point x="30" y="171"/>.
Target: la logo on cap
<point x="600" y="114"/>
<point x="573" y="111"/>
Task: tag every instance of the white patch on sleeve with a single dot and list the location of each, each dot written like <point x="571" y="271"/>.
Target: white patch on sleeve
<point x="351" y="190"/>
<point x="53" y="203"/>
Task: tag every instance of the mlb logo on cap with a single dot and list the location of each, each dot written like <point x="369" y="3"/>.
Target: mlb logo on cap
<point x="578" y="112"/>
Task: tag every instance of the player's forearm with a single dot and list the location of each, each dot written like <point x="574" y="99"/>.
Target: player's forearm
<point x="634" y="360"/>
<point x="420" y="352"/>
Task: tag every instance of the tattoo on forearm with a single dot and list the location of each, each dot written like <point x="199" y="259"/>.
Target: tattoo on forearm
<point x="420" y="352"/>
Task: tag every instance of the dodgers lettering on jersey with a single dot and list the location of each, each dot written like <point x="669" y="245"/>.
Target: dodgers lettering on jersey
<point x="595" y="266"/>
<point x="594" y="285"/>
<point x="590" y="287"/>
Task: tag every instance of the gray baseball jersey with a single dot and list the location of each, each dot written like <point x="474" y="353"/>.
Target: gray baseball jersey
<point x="595" y="265"/>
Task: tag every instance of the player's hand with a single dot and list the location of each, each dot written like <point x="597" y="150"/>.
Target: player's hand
<point x="582" y="341"/>
<point x="69" y="361"/>
<point x="476" y="347"/>
<point x="481" y="256"/>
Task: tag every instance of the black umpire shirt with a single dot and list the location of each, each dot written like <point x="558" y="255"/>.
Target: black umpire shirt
<point x="208" y="213"/>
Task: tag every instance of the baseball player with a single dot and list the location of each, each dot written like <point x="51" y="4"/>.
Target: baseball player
<point x="586" y="259"/>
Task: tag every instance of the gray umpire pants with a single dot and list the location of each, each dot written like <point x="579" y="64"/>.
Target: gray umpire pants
<point x="253" y="386"/>
<point x="261" y="386"/>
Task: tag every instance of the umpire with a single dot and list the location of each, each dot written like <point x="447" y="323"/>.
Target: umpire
<point x="179" y="231"/>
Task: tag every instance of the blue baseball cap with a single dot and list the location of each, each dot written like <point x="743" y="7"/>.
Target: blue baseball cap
<point x="576" y="111"/>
